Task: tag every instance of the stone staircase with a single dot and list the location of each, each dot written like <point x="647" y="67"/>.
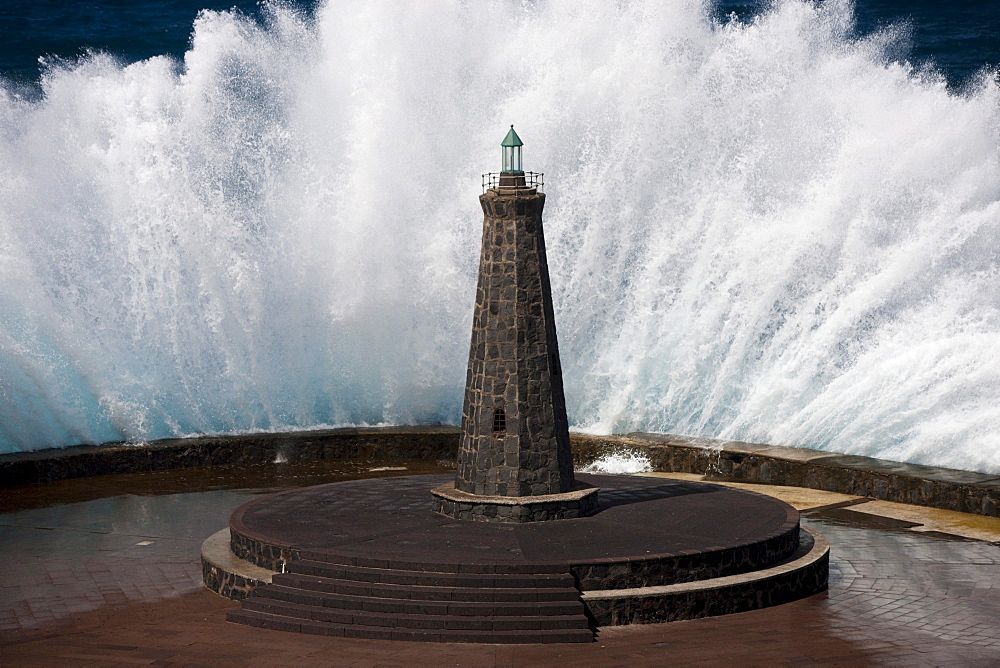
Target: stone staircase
<point x="443" y="602"/>
<point x="658" y="551"/>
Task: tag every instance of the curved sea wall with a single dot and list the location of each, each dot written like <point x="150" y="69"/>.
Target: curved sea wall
<point x="935" y="487"/>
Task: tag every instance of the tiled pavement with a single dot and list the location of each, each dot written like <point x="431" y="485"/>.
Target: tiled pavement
<point x="948" y="589"/>
<point x="76" y="545"/>
<point x="59" y="561"/>
<point x="78" y="587"/>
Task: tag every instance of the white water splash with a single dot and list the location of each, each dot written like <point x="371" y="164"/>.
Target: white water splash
<point x="619" y="463"/>
<point x="767" y="232"/>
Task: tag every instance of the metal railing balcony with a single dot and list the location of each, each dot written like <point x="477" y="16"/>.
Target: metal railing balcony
<point x="531" y="180"/>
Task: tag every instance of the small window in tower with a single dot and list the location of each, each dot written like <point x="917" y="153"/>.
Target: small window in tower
<point x="499" y="421"/>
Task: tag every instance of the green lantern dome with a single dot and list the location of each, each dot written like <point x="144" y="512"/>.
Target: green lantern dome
<point x="511" y="151"/>
<point x="512" y="139"/>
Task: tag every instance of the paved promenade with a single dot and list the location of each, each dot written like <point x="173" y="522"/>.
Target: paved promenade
<point x="105" y="572"/>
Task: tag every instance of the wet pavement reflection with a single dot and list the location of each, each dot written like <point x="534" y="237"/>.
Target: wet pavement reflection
<point x="76" y="545"/>
<point x="82" y="558"/>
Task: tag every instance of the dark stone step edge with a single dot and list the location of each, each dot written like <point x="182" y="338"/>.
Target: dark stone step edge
<point x="576" y="620"/>
<point x="429" y="578"/>
<point x="397" y="564"/>
<point x="423" y="593"/>
<point x="279" y="623"/>
<point x="408" y="606"/>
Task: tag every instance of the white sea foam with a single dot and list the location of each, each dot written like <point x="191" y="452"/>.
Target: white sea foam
<point x="762" y="231"/>
<point x="623" y="462"/>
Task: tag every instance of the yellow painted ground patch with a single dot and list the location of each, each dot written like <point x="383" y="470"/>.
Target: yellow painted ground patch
<point x="966" y="525"/>
<point x="799" y="498"/>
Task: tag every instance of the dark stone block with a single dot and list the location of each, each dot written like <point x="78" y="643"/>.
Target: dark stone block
<point x="516" y="375"/>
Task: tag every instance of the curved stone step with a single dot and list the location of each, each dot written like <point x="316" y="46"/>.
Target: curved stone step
<point x="803" y="574"/>
<point x="225" y="573"/>
<point x="443" y="567"/>
<point x="416" y="621"/>
<point x="282" y="623"/>
<point x="423" y="593"/>
<point x="430" y="578"/>
<point x="410" y="606"/>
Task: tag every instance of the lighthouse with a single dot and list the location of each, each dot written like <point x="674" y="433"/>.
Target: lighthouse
<point x="514" y="459"/>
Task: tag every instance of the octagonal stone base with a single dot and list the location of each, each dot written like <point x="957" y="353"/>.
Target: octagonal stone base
<point x="514" y="509"/>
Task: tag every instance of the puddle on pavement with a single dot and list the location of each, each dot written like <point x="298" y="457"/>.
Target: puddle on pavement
<point x="850" y="518"/>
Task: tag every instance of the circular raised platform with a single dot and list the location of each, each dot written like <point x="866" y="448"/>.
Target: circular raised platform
<point x="645" y="531"/>
<point x="372" y="559"/>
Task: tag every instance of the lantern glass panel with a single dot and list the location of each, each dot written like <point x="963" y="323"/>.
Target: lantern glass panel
<point x="512" y="159"/>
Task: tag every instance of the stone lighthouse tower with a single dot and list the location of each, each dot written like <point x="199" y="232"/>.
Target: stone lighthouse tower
<point x="514" y="460"/>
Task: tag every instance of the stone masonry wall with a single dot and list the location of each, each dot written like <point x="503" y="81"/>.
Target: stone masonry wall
<point x="514" y="362"/>
<point x="433" y="442"/>
<point x="950" y="489"/>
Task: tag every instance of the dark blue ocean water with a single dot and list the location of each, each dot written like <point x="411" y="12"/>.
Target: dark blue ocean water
<point x="958" y="37"/>
<point x="131" y="30"/>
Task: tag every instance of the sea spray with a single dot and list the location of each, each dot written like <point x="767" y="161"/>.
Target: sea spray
<point x="619" y="462"/>
<point x="768" y="231"/>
